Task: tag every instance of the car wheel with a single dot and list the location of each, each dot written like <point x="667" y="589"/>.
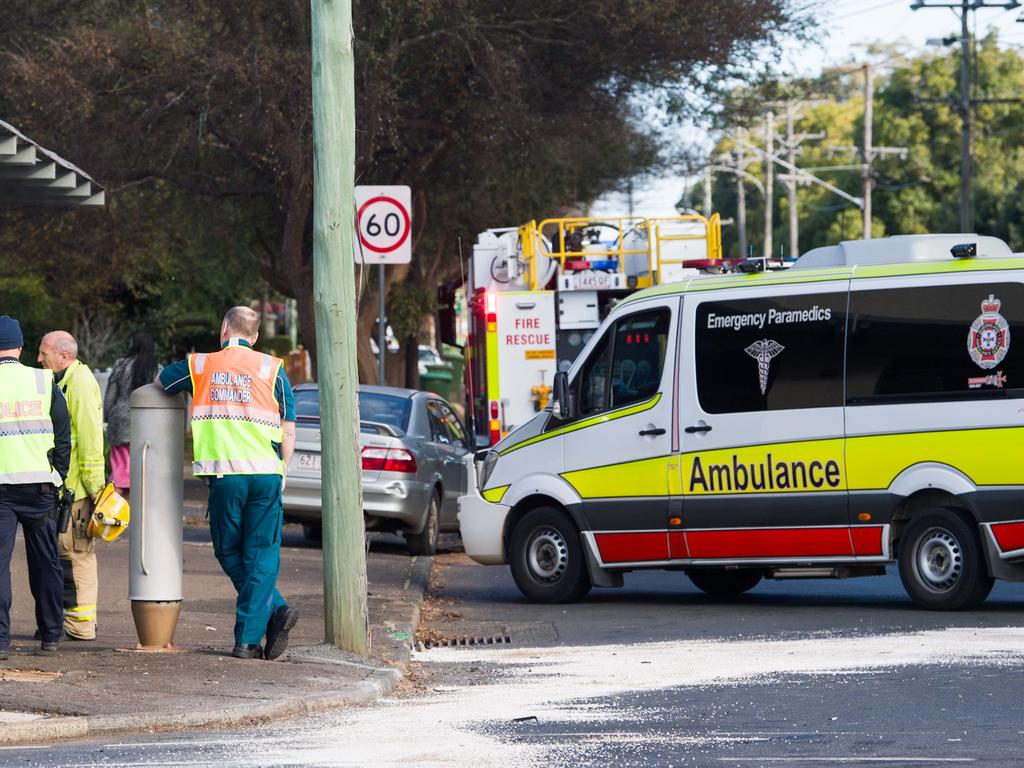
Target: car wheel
<point x="425" y="542"/>
<point x="547" y="558"/>
<point x="722" y="582"/>
<point x="313" y="532"/>
<point x="940" y="562"/>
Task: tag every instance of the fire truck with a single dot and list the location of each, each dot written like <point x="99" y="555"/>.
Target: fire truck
<point x="536" y="294"/>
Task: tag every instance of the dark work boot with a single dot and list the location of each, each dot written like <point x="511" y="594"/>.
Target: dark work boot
<point x="282" y="620"/>
<point x="246" y="651"/>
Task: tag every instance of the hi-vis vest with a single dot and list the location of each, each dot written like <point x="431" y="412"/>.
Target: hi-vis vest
<point x="235" y="413"/>
<point x="26" y="431"/>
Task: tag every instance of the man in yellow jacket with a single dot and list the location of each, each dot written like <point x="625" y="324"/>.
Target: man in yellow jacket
<point x="58" y="351"/>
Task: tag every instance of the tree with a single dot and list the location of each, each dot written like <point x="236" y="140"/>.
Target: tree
<point x="914" y="107"/>
<point x="492" y="112"/>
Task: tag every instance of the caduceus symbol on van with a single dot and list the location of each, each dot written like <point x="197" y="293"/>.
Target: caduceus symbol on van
<point x="763" y="351"/>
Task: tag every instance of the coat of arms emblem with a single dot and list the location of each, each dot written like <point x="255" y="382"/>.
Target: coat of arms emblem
<point x="988" y="341"/>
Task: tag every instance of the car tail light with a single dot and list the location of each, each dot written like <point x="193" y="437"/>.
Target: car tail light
<point x="400" y="460"/>
<point x="389" y="460"/>
<point x="375" y="458"/>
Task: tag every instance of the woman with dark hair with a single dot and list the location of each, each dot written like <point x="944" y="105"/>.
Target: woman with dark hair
<point x="130" y="373"/>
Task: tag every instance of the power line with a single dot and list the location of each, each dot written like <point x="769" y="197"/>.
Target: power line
<point x="861" y="11"/>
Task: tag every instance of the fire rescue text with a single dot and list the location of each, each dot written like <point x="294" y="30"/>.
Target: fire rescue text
<point x="768" y="475"/>
<point x="539" y="339"/>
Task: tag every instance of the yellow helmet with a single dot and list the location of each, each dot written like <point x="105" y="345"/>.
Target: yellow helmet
<point x="111" y="515"/>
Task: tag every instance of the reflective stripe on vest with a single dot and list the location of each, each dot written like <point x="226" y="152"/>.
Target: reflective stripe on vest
<point x="236" y="418"/>
<point x="26" y="432"/>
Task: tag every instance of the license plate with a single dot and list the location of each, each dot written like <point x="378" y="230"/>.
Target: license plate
<point x="309" y="461"/>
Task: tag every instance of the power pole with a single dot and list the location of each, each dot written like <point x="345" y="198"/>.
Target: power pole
<point x="769" y="183"/>
<point x="344" y="537"/>
<point x="966" y="196"/>
<point x="707" y="191"/>
<point x="966" y="170"/>
<point x="794" y="216"/>
<point x="791" y="144"/>
<point x="741" y="204"/>
<point x="868" y="151"/>
<point x="869" y="96"/>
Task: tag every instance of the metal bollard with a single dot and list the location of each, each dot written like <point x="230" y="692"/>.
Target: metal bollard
<point x="155" y="535"/>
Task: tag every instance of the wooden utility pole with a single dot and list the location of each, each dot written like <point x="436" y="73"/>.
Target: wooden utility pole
<point x="334" y="297"/>
<point x="741" y="203"/>
<point x="966" y="196"/>
<point x="769" y="183"/>
<point x="794" y="214"/>
<point x="869" y="95"/>
<point x="966" y="102"/>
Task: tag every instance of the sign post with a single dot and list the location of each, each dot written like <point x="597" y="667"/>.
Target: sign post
<point x="384" y="236"/>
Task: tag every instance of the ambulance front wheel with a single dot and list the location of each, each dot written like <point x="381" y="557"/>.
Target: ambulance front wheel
<point x="547" y="557"/>
<point x="941" y="563"/>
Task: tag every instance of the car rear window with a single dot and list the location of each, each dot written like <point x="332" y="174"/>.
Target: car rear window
<point x="385" y="409"/>
<point x="307" y="405"/>
<point x="381" y="409"/>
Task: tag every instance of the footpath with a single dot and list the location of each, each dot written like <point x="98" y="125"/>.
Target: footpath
<point x="105" y="686"/>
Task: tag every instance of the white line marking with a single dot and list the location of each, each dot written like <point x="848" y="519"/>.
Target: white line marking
<point x="829" y="759"/>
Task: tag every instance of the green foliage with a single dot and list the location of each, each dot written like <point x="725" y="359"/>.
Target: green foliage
<point x="407" y="303"/>
<point x="197" y="118"/>
<point x="918" y="193"/>
<point x="25" y="298"/>
<point x="279" y="346"/>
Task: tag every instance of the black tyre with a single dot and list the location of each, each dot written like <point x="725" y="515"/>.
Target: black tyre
<point x="720" y="581"/>
<point x="941" y="563"/>
<point x="425" y="542"/>
<point x="547" y="557"/>
<point x="313" y="532"/>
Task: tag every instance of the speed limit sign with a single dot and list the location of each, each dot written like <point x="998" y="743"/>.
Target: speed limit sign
<point x="383" y="225"/>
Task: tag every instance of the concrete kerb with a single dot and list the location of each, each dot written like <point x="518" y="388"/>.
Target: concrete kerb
<point x="392" y="646"/>
<point x="57" y="729"/>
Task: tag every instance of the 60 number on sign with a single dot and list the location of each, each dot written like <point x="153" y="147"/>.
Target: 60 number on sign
<point x="383" y="225"/>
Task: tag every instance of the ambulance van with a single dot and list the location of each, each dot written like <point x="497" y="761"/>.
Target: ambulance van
<point x="862" y="409"/>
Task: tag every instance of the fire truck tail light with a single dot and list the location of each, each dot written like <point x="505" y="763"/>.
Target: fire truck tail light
<point x="495" y="430"/>
<point x="494" y="409"/>
<point x="491" y="302"/>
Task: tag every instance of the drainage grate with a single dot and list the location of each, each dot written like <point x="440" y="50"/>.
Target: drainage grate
<point x="463" y="642"/>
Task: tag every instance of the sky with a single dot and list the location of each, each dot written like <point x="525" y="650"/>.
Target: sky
<point x="847" y="26"/>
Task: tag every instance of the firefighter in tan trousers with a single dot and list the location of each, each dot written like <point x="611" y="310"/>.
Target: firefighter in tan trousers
<point x="58" y="351"/>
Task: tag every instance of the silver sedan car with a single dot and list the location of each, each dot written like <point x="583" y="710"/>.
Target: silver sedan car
<point x="416" y="462"/>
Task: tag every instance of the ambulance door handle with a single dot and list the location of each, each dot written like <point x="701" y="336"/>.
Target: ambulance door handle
<point x="699" y="428"/>
<point x="648" y="432"/>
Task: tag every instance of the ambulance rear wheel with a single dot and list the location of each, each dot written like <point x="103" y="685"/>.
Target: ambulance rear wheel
<point x="941" y="562"/>
<point x="547" y="557"/>
<point x="719" y="581"/>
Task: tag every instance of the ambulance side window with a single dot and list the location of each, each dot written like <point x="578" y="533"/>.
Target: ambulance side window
<point x="638" y="356"/>
<point x="936" y="342"/>
<point x="771" y="353"/>
<point x="594" y="379"/>
<point x="625" y="366"/>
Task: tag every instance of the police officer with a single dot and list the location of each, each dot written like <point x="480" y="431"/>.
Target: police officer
<point x="58" y="351"/>
<point x="243" y="434"/>
<point x="35" y="449"/>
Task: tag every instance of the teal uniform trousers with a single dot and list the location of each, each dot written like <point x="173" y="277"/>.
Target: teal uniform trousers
<point x="245" y="525"/>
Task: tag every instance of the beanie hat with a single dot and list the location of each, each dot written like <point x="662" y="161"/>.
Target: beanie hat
<point x="10" y="333"/>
